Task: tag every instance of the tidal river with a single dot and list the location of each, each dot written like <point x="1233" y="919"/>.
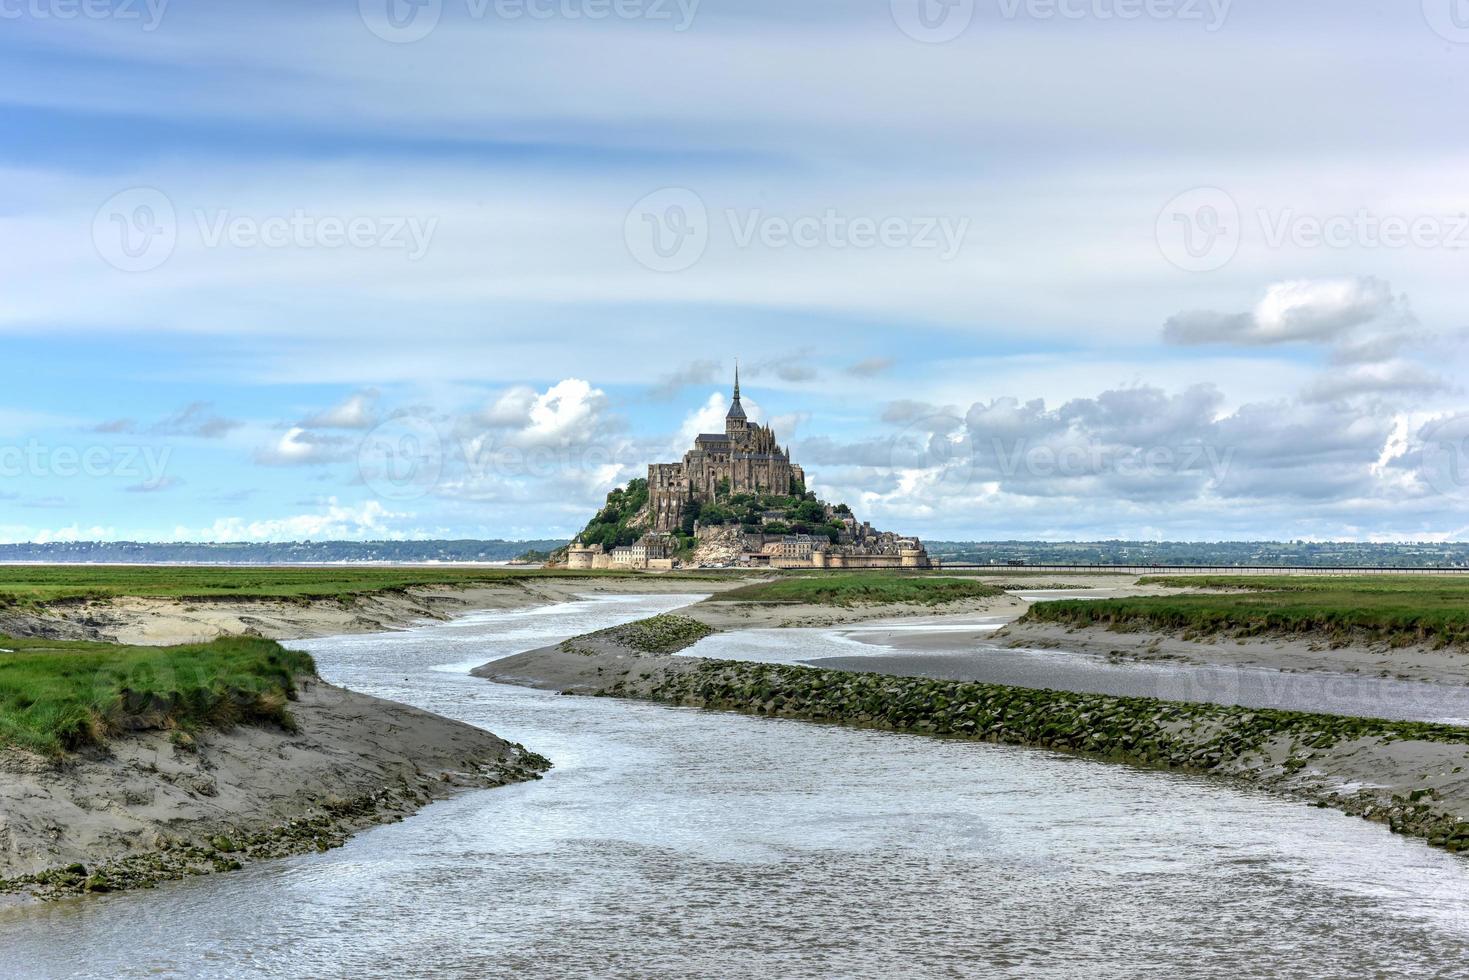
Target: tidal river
<point x="674" y="843"/>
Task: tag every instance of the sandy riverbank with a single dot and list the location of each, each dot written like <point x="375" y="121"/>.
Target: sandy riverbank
<point x="143" y="809"/>
<point x="1287" y="653"/>
<point x="159" y="621"/>
<point x="1408" y="775"/>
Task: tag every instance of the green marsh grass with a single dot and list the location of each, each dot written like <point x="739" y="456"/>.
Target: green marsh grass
<point x="1398" y="609"/>
<point x="861" y="588"/>
<point x="62" y="696"/>
<point x="22" y="585"/>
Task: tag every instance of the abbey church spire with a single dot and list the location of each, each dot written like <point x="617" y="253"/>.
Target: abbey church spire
<point x="736" y="420"/>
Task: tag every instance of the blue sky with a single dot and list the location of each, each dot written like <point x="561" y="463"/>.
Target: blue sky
<point x="1014" y="268"/>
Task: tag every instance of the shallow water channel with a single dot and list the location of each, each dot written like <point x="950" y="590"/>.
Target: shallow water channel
<point x="671" y="842"/>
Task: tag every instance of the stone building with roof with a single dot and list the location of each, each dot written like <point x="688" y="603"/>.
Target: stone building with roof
<point x="745" y="458"/>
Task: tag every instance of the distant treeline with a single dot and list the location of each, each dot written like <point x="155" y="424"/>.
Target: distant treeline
<point x="1331" y="554"/>
<point x="1323" y="554"/>
<point x="284" y="552"/>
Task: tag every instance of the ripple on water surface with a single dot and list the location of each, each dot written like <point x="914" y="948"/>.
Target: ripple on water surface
<point x="676" y="842"/>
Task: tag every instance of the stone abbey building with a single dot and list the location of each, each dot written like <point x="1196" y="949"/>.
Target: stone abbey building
<point x="745" y="458"/>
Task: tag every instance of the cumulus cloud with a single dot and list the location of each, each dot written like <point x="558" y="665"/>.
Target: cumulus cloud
<point x="302" y="447"/>
<point x="561" y="446"/>
<point x="197" y="421"/>
<point x="1360" y="321"/>
<point x="795" y="367"/>
<point x="708" y="417"/>
<point x="906" y="410"/>
<point x="568" y="412"/>
<point x="1395" y="377"/>
<point x="356" y="411"/>
<point x="871" y="367"/>
<point x="1121" y="452"/>
<point x="695" y="373"/>
<point x="1321" y="311"/>
<point x="335" y="520"/>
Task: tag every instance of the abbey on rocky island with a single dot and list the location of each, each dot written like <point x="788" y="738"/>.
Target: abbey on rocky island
<point x="742" y="467"/>
<point x="745" y="458"/>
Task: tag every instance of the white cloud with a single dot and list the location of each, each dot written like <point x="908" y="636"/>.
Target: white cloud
<point x="302" y="447"/>
<point x="356" y="411"/>
<point x="1309" y="311"/>
<point x="709" y="417"/>
<point x="569" y="411"/>
<point x="335" y="520"/>
<point x="1395" y="377"/>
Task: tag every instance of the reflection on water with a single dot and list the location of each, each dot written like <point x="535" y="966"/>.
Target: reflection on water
<point x="677" y="842"/>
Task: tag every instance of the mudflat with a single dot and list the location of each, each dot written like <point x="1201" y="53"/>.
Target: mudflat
<point x="161" y="620"/>
<point x="142" y="809"/>
<point x="1411" y="776"/>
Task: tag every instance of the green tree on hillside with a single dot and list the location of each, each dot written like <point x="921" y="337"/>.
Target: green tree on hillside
<point x="609" y="528"/>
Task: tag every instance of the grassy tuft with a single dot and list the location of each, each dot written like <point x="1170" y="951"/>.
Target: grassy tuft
<point x="661" y="634"/>
<point x="58" y="697"/>
<point x="26" y="585"/>
<point x="861" y="588"/>
<point x="1397" y="609"/>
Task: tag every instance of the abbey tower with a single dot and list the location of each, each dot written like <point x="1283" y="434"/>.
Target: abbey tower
<point x="744" y="459"/>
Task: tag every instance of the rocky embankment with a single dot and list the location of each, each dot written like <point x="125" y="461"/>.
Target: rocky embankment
<point x="1410" y="776"/>
<point x="149" y="807"/>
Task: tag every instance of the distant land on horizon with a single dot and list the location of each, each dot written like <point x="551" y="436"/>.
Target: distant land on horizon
<point x="1311" y="553"/>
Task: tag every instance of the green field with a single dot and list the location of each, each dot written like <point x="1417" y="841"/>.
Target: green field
<point x="57" y="697"/>
<point x="28" y="584"/>
<point x="1399" y="609"/>
<point x="861" y="588"/>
